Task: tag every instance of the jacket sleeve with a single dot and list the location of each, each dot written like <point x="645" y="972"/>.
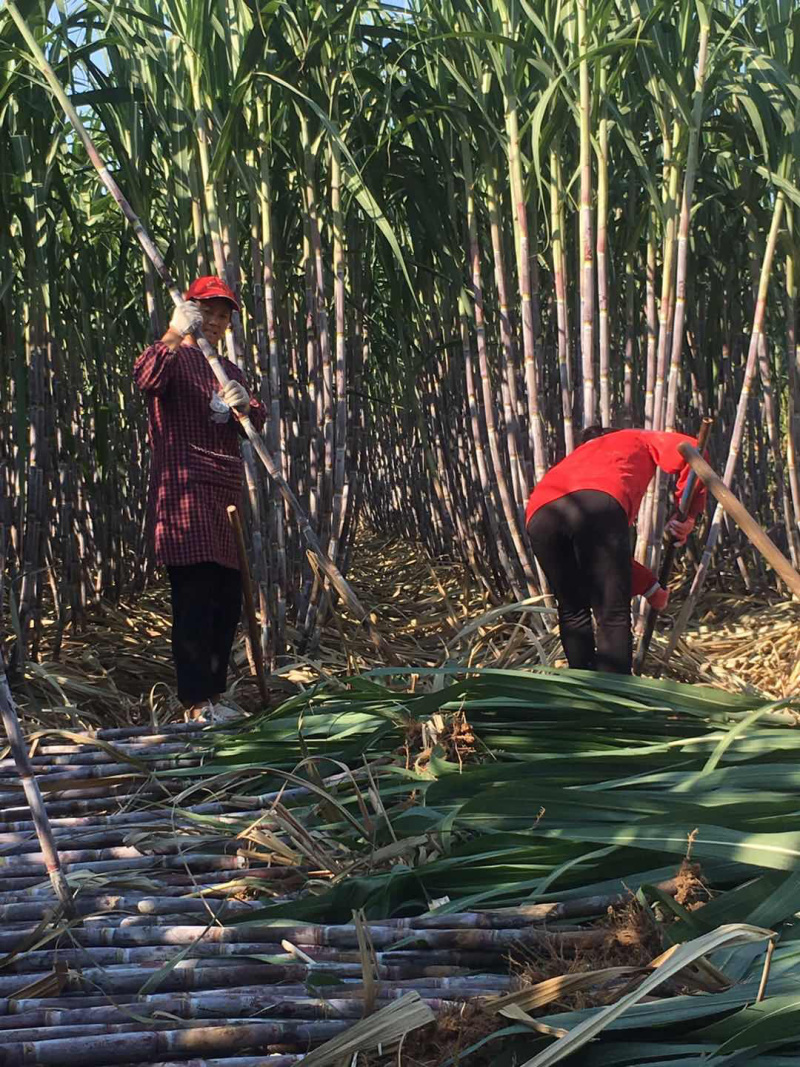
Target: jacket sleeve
<point x="642" y="578"/>
<point x="664" y="450"/>
<point x="257" y="413"/>
<point x="152" y="371"/>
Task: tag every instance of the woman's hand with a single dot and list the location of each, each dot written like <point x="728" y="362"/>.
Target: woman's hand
<point x="236" y="396"/>
<point x="187" y="319"/>
<point x="679" y="530"/>
<point x="657" y="597"/>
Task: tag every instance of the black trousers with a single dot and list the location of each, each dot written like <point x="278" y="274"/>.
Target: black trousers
<point x="582" y="542"/>
<point x="206" y="605"/>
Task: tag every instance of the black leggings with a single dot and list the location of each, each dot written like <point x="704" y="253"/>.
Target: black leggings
<point x="582" y="542"/>
<point x="206" y="604"/>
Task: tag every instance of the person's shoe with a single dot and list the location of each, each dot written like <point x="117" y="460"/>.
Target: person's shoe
<point x="212" y="714"/>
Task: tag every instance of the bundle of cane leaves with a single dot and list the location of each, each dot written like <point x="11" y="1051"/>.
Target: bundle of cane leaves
<point x="575" y="784"/>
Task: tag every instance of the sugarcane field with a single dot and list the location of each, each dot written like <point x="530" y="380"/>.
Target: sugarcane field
<point x="399" y="533"/>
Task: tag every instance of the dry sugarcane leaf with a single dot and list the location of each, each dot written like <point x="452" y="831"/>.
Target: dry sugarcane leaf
<point x="52" y="985"/>
<point x="551" y="989"/>
<point x="383" y="1028"/>
<point x="515" y="1012"/>
<point x="369" y="962"/>
<point x="724" y="936"/>
<point x="261" y="836"/>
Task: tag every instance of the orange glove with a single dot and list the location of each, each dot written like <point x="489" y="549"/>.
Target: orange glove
<point x="679" y="531"/>
<point x="657" y="597"/>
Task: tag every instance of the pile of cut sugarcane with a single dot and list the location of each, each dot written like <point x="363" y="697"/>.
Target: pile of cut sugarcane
<point x="302" y="888"/>
<point x="161" y="960"/>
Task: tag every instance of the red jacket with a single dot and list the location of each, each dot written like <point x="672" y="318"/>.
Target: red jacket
<point x="196" y="467"/>
<point x="622" y="465"/>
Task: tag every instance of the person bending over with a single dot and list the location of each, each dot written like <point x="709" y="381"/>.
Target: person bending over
<point x="196" y="472"/>
<point x="578" y="519"/>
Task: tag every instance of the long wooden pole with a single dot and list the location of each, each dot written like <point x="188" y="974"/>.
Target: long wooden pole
<point x="327" y="566"/>
<point x="249" y="603"/>
<point x="731" y="504"/>
<point x="33" y="795"/>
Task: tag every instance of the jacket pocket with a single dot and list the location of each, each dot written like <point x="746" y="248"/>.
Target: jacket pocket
<point x="216" y="469"/>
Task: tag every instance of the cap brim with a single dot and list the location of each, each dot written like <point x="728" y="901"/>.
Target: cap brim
<point x="218" y="296"/>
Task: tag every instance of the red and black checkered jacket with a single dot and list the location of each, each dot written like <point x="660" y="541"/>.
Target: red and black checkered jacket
<point x="196" y="469"/>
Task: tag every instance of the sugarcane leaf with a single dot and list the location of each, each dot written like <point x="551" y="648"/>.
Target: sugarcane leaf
<point x="774" y="1020"/>
<point x="354" y="179"/>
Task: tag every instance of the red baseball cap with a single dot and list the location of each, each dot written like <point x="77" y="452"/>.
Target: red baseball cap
<point x="210" y="287"/>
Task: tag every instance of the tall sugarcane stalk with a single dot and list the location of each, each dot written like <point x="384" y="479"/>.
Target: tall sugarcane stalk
<point x="234" y="340"/>
<point x="587" y="250"/>
<point x="665" y="310"/>
<point x="508" y="507"/>
<point x="522" y="245"/>
<point x="679" y="323"/>
<point x="327" y="567"/>
<point x="602" y="254"/>
<point x="738" y="426"/>
<point x="562" y="307"/>
<point x="651" y="318"/>
<point x="509" y="368"/>
<point x="793" y="405"/>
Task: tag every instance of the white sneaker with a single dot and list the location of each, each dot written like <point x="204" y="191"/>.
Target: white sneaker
<point x="213" y="714"/>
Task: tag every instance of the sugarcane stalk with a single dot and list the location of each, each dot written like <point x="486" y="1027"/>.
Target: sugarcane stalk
<point x="679" y="323"/>
<point x="145" y="1046"/>
<point x="287" y="1060"/>
<point x="793" y="406"/>
<point x="651" y="318"/>
<point x="665" y="316"/>
<point x="198" y="975"/>
<point x="206" y="1009"/>
<point x="602" y="252"/>
<point x="630" y="315"/>
<point x="451" y="987"/>
<point x="275" y="425"/>
<point x="562" y="307"/>
<point x="249" y="602"/>
<point x="479" y="451"/>
<point x="536" y="442"/>
<point x="344" y="936"/>
<point x="280" y="1002"/>
<point x="668" y="561"/>
<point x="738" y="426"/>
<point x="587" y="250"/>
<point x="340" y="419"/>
<point x="508" y="508"/>
<point x="327" y="567"/>
<point x="508" y="350"/>
<point x="197" y="861"/>
<point x="44" y="832"/>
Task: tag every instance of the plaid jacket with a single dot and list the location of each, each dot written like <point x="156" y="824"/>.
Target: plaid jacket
<point x="196" y="469"/>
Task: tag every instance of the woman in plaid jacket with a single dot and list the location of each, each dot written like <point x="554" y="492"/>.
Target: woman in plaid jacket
<point x="196" y="472"/>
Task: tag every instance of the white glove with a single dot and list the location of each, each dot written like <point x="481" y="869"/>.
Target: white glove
<point x="235" y="396"/>
<point x="186" y="318"/>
